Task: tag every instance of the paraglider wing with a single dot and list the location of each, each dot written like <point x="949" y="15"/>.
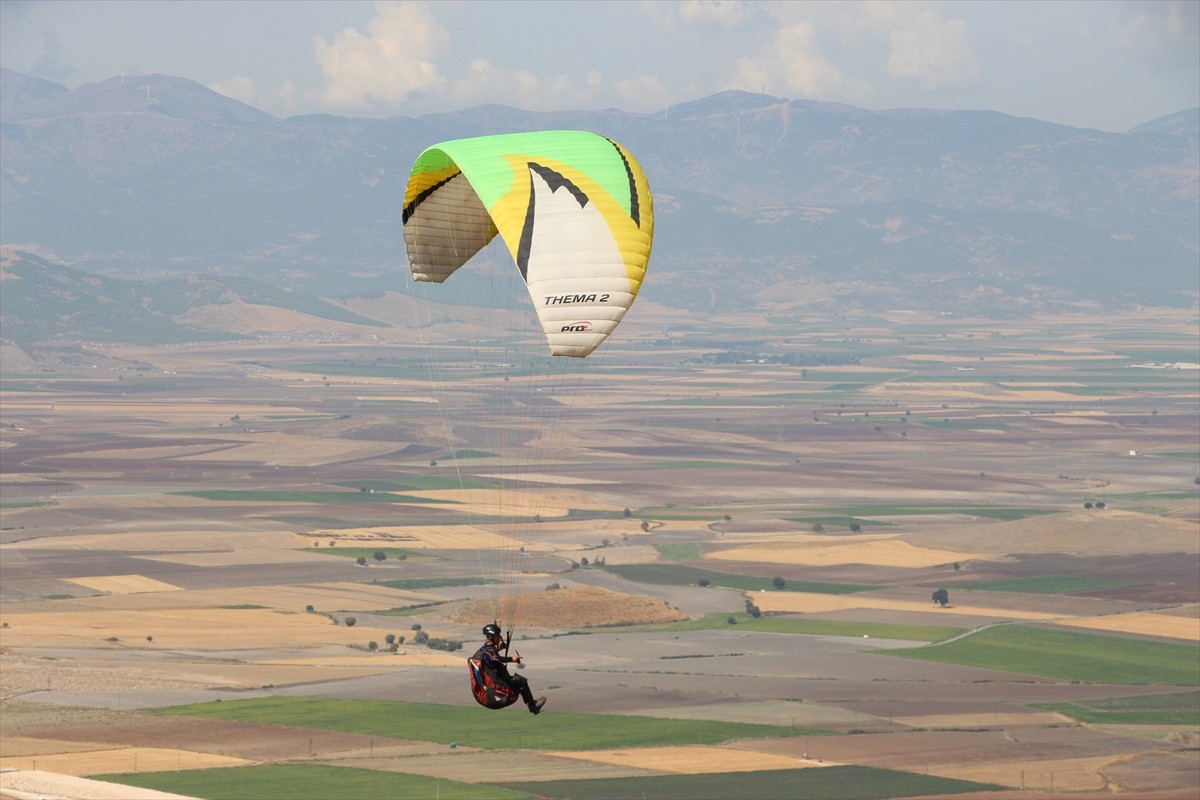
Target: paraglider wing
<point x="573" y="208"/>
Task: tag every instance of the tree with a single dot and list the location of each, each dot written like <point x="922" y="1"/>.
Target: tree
<point x="645" y="526"/>
<point x="350" y="622"/>
<point x="390" y="638"/>
<point x="372" y="646"/>
<point x="704" y="583"/>
<point x="941" y="597"/>
<point x="778" y="583"/>
<point x="627" y="513"/>
<point x="361" y="561"/>
<point x="752" y="609"/>
<point x="584" y="562"/>
<point x="818" y="528"/>
<point x="380" y="555"/>
<point x="855" y="527"/>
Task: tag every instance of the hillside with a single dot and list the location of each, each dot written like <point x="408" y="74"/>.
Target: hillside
<point x="41" y="301"/>
<point x="759" y="199"/>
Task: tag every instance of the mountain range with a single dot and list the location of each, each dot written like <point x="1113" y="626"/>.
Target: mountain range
<point x="761" y="202"/>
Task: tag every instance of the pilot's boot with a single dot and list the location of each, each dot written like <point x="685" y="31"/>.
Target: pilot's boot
<point x="536" y="706"/>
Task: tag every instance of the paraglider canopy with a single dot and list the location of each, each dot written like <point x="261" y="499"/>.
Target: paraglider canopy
<point x="573" y="208"/>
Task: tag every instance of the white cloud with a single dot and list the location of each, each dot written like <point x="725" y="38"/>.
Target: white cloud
<point x="484" y="82"/>
<point x="718" y="13"/>
<point x="725" y="13"/>
<point x="382" y="68"/>
<point x="282" y="101"/>
<point x="923" y="45"/>
<point x="644" y="93"/>
<point x="932" y="51"/>
<point x="239" y="87"/>
<point x="793" y="63"/>
<point x="1165" y="32"/>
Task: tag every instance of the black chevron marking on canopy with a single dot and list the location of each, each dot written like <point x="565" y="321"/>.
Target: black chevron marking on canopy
<point x="555" y="180"/>
<point x="635" y="211"/>
<point x="411" y="208"/>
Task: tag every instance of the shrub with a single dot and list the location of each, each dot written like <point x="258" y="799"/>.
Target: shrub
<point x="449" y="645"/>
<point x="380" y="555"/>
<point x="350" y="622"/>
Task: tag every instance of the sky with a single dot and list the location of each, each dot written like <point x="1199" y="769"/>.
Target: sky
<point x="1108" y="65"/>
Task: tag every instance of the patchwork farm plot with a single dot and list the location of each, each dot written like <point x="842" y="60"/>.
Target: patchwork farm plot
<point x="727" y="577"/>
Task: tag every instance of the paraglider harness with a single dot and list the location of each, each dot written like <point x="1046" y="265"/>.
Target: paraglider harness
<point x="491" y="685"/>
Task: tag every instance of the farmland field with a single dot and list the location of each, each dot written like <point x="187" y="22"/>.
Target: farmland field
<point x="721" y="575"/>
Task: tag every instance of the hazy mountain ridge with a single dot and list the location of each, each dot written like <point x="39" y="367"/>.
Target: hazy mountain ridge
<point x="915" y="208"/>
<point x="41" y="301"/>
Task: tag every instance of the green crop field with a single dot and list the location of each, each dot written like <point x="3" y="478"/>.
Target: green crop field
<point x="837" y="522"/>
<point x="801" y="626"/>
<point x="476" y="727"/>
<point x="306" y="782"/>
<point x="268" y="496"/>
<point x="678" y="551"/>
<point x="390" y="553"/>
<point x="681" y="575"/>
<point x="1081" y="657"/>
<point x="412" y="483"/>
<point x="990" y="512"/>
<point x="1169" y="708"/>
<point x="820" y="783"/>
<point x="414" y="584"/>
<point x="1047" y="584"/>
